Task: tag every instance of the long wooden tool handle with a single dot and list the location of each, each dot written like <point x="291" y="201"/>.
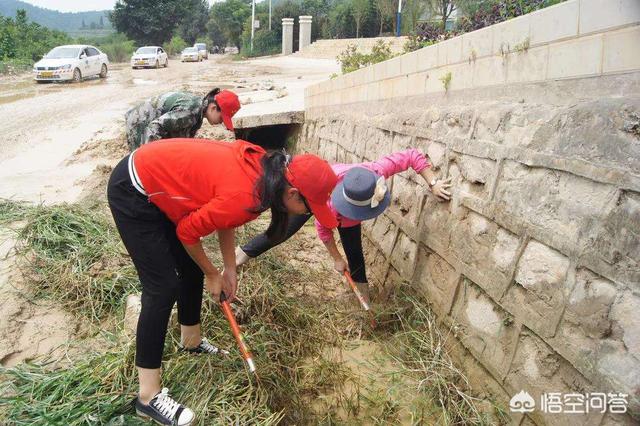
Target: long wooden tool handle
<point x="353" y="286"/>
<point x="235" y="329"/>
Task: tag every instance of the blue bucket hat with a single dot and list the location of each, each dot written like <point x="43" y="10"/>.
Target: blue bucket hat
<point x="361" y="195"/>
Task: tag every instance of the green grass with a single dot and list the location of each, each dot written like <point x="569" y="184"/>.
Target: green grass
<point x="60" y="247"/>
<point x="72" y="255"/>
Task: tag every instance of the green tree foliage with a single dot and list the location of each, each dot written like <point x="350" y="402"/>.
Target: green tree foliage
<point x="22" y="42"/>
<point x="194" y="21"/>
<point x="341" y="21"/>
<point x="174" y="46"/>
<point x="481" y="13"/>
<point x="386" y="10"/>
<point x="228" y="18"/>
<point x="215" y="34"/>
<point x="155" y="21"/>
<point x="360" y="11"/>
<point x="117" y="47"/>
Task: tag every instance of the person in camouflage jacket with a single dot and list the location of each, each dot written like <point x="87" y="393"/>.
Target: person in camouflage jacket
<point x="178" y="115"/>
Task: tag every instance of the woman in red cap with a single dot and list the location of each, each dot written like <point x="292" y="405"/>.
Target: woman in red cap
<point x="178" y="115"/>
<point x="164" y="198"/>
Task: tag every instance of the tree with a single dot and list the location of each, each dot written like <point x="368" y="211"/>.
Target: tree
<point x="341" y="21"/>
<point x="147" y="21"/>
<point x="360" y="13"/>
<point x="101" y="24"/>
<point x="386" y="10"/>
<point x="443" y="9"/>
<point x="194" y="21"/>
<point x="215" y="34"/>
<point x="414" y="9"/>
<point x="319" y="9"/>
<point x="229" y="17"/>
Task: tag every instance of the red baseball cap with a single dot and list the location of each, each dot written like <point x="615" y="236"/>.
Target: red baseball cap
<point x="229" y="104"/>
<point x="315" y="180"/>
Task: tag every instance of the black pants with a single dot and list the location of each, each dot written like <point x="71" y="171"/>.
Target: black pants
<point x="351" y="238"/>
<point x="166" y="271"/>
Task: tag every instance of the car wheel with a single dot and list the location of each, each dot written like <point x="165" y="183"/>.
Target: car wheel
<point x="77" y="76"/>
<point x="103" y="71"/>
<point x="166" y="63"/>
<point x="157" y="64"/>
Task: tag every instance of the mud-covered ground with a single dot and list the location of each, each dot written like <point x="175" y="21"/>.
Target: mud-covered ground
<point x="59" y="141"/>
<point x="42" y="125"/>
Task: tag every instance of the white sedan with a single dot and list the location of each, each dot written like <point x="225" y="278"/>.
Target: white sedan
<point x="191" y="54"/>
<point x="72" y="62"/>
<point x="150" y="56"/>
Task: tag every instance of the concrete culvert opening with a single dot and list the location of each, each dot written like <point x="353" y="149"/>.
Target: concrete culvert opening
<point x="272" y="137"/>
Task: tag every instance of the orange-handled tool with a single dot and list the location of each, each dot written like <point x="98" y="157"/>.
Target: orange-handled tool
<point x="235" y="329"/>
<point x="363" y="302"/>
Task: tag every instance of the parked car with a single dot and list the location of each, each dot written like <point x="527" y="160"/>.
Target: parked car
<point x="71" y="62"/>
<point x="202" y="48"/>
<point x="149" y="56"/>
<point x="191" y="54"/>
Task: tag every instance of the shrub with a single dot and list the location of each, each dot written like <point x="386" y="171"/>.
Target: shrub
<point x="352" y="60"/>
<point x="174" y="46"/>
<point x="22" y="42"/>
<point x="118" y="48"/>
<point x="265" y="43"/>
<point x="492" y="12"/>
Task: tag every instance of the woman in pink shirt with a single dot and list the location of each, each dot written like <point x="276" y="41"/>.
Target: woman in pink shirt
<point x="361" y="194"/>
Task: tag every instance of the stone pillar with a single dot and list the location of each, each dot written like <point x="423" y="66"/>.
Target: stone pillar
<point x="287" y="36"/>
<point x="305" y="31"/>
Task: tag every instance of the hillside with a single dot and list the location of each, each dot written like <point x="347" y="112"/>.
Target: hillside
<point x="63" y="21"/>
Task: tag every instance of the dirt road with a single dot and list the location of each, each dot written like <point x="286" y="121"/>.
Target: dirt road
<point x="43" y="125"/>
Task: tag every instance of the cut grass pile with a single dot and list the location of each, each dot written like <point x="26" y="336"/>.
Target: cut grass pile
<point x="73" y="255"/>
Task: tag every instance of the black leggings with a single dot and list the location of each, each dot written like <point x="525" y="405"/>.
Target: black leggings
<point x="350" y="237"/>
<point x="166" y="271"/>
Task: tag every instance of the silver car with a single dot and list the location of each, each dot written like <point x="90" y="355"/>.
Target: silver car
<point x="202" y="48"/>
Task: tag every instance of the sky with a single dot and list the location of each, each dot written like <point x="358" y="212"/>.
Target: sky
<point x="77" y="5"/>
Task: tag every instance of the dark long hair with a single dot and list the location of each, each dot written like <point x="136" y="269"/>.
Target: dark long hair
<point x="211" y="97"/>
<point x="269" y="190"/>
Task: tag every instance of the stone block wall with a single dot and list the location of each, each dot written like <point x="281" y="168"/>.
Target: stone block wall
<point x="535" y="263"/>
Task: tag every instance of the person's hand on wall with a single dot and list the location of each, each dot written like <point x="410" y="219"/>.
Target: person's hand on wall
<point x="440" y="189"/>
<point x="340" y="265"/>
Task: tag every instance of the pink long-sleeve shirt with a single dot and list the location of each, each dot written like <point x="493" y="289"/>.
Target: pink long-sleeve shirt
<point x="387" y="167"/>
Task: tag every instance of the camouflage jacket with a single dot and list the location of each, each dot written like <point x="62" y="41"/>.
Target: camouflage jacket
<point x="172" y="115"/>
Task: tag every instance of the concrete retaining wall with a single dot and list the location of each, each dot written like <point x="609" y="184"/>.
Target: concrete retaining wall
<point x="535" y="264"/>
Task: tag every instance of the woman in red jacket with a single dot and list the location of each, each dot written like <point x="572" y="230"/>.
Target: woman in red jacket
<point x="164" y="198"/>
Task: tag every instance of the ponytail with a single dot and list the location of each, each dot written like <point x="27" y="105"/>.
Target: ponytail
<point x="211" y="97"/>
<point x="269" y="190"/>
